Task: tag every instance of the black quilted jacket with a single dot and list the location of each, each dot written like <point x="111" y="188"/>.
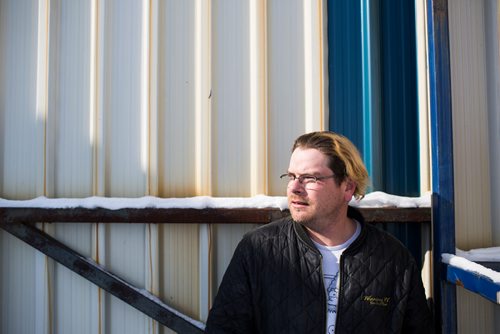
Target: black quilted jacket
<point x="274" y="284"/>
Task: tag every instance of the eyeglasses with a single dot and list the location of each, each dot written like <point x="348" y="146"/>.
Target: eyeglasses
<point x="304" y="179"/>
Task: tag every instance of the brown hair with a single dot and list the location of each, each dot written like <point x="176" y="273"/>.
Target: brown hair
<point x="345" y="160"/>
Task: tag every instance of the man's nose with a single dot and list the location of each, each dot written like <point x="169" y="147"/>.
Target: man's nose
<point x="296" y="186"/>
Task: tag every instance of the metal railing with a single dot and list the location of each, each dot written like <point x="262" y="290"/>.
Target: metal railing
<point x="20" y="222"/>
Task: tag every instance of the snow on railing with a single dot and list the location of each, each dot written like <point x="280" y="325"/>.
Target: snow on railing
<point x="374" y="199"/>
<point x="473" y="267"/>
<point x="463" y="270"/>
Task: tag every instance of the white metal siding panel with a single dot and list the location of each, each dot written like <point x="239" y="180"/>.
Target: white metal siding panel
<point x="125" y="256"/>
<point x="475" y="314"/>
<point x="177" y="99"/>
<point x="237" y="106"/>
<point x="74" y="307"/>
<point x="180" y="279"/>
<point x="470" y="139"/>
<point x="470" y="124"/>
<point x="131" y="98"/>
<point x="286" y="85"/>
<point x="291" y="110"/>
<point x="231" y="100"/>
<point x="70" y="157"/>
<point x="126" y="149"/>
<point x="21" y="175"/>
<point x="313" y="48"/>
<point x="124" y="122"/>
<point x="69" y="145"/>
<point x="258" y="22"/>
<point x="17" y="286"/>
<point x="183" y="169"/>
<point x="492" y="20"/>
<point x="20" y="126"/>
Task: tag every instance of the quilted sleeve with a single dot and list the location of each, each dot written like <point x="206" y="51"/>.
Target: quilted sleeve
<point x="232" y="311"/>
<point x="418" y="318"/>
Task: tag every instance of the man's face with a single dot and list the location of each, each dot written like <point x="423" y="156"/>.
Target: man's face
<point x="320" y="203"/>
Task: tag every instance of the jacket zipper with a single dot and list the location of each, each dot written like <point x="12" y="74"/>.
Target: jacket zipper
<point x="323" y="290"/>
<point x="322" y="282"/>
<point x="339" y="292"/>
<point x="353" y="246"/>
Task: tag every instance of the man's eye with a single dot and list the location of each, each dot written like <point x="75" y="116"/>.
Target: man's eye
<point x="308" y="178"/>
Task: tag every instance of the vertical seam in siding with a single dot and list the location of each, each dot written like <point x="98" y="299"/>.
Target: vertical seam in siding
<point x="145" y="112"/>
<point x="96" y="140"/>
<point x="153" y="98"/>
<point x="258" y="97"/>
<point x="321" y="66"/>
<point x="42" y="88"/>
<point x="43" y="307"/>
<point x="203" y="139"/>
<point x="308" y="67"/>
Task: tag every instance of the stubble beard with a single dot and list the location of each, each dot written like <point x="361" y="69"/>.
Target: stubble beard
<point x="302" y="219"/>
<point x="313" y="222"/>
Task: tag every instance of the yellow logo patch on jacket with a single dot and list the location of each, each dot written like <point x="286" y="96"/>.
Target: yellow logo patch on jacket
<point x="377" y="301"/>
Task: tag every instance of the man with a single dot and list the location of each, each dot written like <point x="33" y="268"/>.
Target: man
<point x="322" y="270"/>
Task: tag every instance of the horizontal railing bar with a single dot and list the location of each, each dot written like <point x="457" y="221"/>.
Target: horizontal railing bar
<point x="90" y="270"/>
<point x="192" y="216"/>
<point x="146" y="215"/>
<point x="397" y="215"/>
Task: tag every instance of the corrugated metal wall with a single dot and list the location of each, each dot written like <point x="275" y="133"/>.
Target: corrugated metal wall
<point x="182" y="98"/>
<point x="130" y="98"/>
<point x="474" y="66"/>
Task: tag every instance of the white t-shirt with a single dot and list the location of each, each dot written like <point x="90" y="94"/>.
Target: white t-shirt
<point x="330" y="266"/>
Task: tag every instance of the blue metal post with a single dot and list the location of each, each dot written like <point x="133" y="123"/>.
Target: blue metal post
<point x="442" y="161"/>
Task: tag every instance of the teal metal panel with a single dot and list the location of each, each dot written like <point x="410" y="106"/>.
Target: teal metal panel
<point x="400" y="135"/>
<point x="353" y="85"/>
<point x="345" y="70"/>
<point x="378" y="111"/>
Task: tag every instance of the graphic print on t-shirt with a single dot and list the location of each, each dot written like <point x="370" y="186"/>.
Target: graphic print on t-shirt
<point x="331" y="289"/>
<point x="330" y="266"/>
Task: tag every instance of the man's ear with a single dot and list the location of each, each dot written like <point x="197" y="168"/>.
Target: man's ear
<point x="350" y="188"/>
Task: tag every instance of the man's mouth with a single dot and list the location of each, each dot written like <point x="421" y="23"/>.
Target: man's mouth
<point x="298" y="203"/>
